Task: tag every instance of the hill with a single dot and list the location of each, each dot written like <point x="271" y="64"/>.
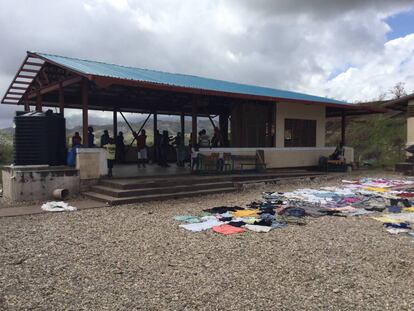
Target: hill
<point x="379" y="139"/>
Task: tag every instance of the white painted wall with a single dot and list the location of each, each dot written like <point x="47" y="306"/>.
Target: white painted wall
<point x="286" y="157"/>
<point x="303" y="112"/>
<point x="410" y="127"/>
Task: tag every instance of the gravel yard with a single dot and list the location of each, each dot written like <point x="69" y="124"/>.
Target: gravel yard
<point x="137" y="258"/>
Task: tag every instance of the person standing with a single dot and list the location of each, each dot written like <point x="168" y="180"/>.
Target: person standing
<point x="157" y="147"/>
<point x="76" y="140"/>
<point x="203" y="139"/>
<point x="180" y="149"/>
<point x="120" y="148"/>
<point x="110" y="155"/>
<point x="195" y="158"/>
<point x="104" y="138"/>
<point x="142" y="148"/>
<point x="91" y="137"/>
<point x="164" y="148"/>
<point x="216" y="139"/>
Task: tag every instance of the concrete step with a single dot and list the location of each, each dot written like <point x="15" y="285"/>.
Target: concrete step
<point x="161" y="182"/>
<point x="250" y="177"/>
<point x="121" y="193"/>
<point x="154" y="197"/>
<point x="274" y="180"/>
<point x="126" y="184"/>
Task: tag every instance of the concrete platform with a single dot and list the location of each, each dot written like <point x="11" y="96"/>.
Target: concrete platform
<point x="117" y="191"/>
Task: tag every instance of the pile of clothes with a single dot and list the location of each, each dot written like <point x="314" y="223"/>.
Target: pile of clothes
<point x="257" y="216"/>
<point x="389" y="201"/>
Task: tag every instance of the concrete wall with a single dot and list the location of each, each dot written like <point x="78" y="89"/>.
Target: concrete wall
<point x="286" y="157"/>
<point x="300" y="111"/>
<point x="37" y="182"/>
<point x="410" y="125"/>
<point x="91" y="162"/>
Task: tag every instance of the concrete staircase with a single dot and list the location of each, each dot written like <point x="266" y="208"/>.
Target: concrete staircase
<point x="133" y="190"/>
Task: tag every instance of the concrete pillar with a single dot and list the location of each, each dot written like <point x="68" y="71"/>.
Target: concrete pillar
<point x="410" y="122"/>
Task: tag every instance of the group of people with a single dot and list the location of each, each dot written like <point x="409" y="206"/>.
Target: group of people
<point x="163" y="143"/>
<point x="115" y="147"/>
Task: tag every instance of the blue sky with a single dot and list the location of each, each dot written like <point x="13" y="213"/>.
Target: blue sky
<point x="401" y="24"/>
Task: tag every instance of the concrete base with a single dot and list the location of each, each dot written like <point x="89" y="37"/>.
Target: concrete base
<point x="91" y="162"/>
<point x="37" y="182"/>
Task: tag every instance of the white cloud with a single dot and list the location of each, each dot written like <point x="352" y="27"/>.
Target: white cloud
<point x="296" y="45"/>
<point x="394" y="63"/>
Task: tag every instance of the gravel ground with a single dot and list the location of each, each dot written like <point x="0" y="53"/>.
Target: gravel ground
<point x="137" y="258"/>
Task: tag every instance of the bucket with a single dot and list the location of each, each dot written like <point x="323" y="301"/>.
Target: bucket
<point x="61" y="194"/>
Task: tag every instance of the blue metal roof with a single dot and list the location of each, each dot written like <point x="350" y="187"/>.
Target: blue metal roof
<point x="178" y="80"/>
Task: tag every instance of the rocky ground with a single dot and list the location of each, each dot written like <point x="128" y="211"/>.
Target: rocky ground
<point x="137" y="258"/>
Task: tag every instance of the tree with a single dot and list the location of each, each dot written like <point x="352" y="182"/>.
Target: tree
<point x="398" y="90"/>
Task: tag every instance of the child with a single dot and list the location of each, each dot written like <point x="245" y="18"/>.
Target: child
<point x="110" y="155"/>
<point x="194" y="157"/>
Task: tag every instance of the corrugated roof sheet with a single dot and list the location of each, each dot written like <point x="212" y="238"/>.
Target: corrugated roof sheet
<point x="174" y="79"/>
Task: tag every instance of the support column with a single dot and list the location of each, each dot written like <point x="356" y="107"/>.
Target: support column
<point x="343" y="128"/>
<point x="26" y="103"/>
<point x="155" y="123"/>
<point x="156" y="142"/>
<point x="410" y="123"/>
<point x="85" y="125"/>
<point x="61" y="100"/>
<point x="224" y="128"/>
<point x="194" y="122"/>
<point x="115" y="123"/>
<point x="39" y="102"/>
<point x="182" y="122"/>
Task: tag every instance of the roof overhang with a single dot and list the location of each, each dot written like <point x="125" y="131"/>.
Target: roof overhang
<point x="34" y="78"/>
<point x="399" y="104"/>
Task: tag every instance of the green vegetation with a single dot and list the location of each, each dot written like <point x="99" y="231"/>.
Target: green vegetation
<point x="378" y="139"/>
<point x="6" y="148"/>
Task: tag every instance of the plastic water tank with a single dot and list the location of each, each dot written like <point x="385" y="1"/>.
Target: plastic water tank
<point x="40" y="138"/>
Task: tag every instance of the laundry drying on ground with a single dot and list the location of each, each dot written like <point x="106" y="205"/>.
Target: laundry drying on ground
<point x="389" y="201"/>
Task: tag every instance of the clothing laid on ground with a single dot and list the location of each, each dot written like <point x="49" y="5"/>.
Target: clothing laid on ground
<point x="227" y="229"/>
<point x="200" y="226"/>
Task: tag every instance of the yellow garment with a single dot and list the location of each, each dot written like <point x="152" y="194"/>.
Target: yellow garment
<point x="408" y="209"/>
<point x="386" y="219"/>
<point x="375" y="189"/>
<point x="245" y="213"/>
<point x="110" y="151"/>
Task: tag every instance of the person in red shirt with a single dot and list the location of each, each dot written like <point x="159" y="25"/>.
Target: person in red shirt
<point x="76" y="139"/>
<point x="142" y="148"/>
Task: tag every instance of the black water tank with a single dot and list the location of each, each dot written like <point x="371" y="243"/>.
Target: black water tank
<point x="39" y="138"/>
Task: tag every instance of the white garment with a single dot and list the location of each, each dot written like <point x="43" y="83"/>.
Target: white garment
<point x="257" y="228"/>
<point x="397" y="230"/>
<point x="142" y="154"/>
<point x="57" y="207"/>
<point x="200" y="226"/>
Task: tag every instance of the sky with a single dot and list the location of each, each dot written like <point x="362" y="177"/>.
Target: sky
<point x="351" y="50"/>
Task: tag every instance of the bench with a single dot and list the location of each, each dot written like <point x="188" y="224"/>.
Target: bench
<point x="257" y="161"/>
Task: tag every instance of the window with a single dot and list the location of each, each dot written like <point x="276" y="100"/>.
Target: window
<point x="300" y="133"/>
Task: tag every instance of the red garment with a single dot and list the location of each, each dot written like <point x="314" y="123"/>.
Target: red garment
<point x="406" y="195"/>
<point x="141" y="141"/>
<point x="227" y="229"/>
<point x="76" y="140"/>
